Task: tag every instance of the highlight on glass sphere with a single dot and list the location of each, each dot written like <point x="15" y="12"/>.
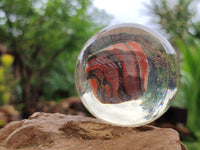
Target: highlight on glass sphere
<point x="127" y="75"/>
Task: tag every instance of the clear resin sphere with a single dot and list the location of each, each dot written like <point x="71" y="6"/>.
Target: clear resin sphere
<point x="127" y="75"/>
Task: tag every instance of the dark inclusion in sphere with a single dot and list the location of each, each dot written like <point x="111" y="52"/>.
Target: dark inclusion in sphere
<point x="118" y="73"/>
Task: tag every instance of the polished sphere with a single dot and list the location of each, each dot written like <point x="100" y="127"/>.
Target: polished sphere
<point x="127" y="75"/>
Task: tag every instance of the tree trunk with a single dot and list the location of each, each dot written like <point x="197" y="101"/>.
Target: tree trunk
<point x="24" y="74"/>
<point x="26" y="98"/>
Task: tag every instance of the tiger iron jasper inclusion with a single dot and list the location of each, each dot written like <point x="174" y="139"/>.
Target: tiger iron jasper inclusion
<point x="118" y="73"/>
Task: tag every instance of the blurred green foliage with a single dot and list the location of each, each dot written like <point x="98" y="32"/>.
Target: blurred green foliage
<point x="180" y="22"/>
<point x="178" y="19"/>
<point x="190" y="79"/>
<point x="45" y="37"/>
<point x="192" y="145"/>
<point x="6" y="79"/>
<point x="2" y="123"/>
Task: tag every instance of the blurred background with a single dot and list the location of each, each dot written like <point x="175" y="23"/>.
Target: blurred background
<point x="41" y="39"/>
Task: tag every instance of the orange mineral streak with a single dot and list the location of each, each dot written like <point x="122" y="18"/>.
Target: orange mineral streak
<point x="142" y="59"/>
<point x="130" y="71"/>
<point x="132" y="75"/>
<point x="109" y="69"/>
<point x="94" y="85"/>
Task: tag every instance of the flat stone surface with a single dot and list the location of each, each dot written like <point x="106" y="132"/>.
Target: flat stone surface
<point x="44" y="131"/>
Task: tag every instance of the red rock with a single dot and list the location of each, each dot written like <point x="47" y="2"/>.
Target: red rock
<point x="64" y="132"/>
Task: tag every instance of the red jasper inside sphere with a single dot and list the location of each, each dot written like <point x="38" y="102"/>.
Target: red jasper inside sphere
<point x="118" y="73"/>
